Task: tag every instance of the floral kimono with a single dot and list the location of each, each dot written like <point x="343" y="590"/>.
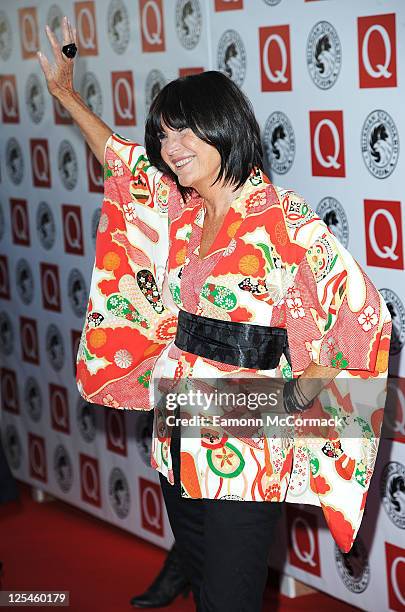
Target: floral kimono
<point x="273" y="263"/>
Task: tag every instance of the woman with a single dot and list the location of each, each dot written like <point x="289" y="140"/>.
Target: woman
<point x="203" y="267"/>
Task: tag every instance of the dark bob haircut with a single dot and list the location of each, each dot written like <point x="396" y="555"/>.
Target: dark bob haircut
<point x="219" y="113"/>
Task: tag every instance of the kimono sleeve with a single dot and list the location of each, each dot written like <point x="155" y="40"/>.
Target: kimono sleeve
<point x="122" y="337"/>
<point x="335" y="315"/>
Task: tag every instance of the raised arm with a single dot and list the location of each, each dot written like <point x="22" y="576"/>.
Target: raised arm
<point x="59" y="80"/>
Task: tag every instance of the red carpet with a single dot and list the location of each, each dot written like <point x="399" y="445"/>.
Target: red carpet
<point x="54" y="546"/>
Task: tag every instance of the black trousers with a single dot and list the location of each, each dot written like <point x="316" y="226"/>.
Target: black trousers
<point x="223" y="544"/>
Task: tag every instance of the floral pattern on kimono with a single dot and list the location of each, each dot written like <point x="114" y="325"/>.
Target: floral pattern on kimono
<point x="272" y="263"/>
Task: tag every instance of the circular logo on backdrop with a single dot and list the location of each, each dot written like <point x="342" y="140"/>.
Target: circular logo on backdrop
<point x="392" y="487"/>
<point x="118" y="26"/>
<point x="231" y="56"/>
<point x="54" y="347"/>
<point x="77" y="292"/>
<point x="279" y="142"/>
<point x="91" y="92"/>
<point x="6" y="40"/>
<point x="332" y="213"/>
<point x="54" y="20"/>
<point x="24" y="281"/>
<point x="324" y="55"/>
<point x="67" y="165"/>
<point x="62" y="466"/>
<point x="380" y="144"/>
<point x="155" y="81"/>
<point x="188" y="22"/>
<point x="353" y="567"/>
<point x="95" y="219"/>
<point x="143" y="435"/>
<point x="119" y="493"/>
<point x="86" y="420"/>
<point x="34" y="98"/>
<point x="12" y="446"/>
<point x="2" y="224"/>
<point x="397" y="312"/>
<point x="272" y="2"/>
<point x="33" y="399"/>
<point x="6" y="334"/>
<point x="45" y="224"/>
<point x="14" y="161"/>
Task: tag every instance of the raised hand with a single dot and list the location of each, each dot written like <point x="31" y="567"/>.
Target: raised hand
<point x="59" y="74"/>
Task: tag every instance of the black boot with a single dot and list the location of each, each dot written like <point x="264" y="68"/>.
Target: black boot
<point x="168" y="584"/>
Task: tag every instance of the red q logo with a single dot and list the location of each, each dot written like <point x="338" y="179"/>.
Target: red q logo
<point x="95" y="176"/>
<point x="228" y="5"/>
<point x="20" y="229"/>
<point x="327" y="143"/>
<point x="303" y="544"/>
<point x="58" y="402"/>
<point x="9" y="99"/>
<point x="275" y="62"/>
<point x="9" y="391"/>
<point x="377" y="51"/>
<point x="28" y="32"/>
<point x="395" y="562"/>
<point x="90" y="480"/>
<point x="188" y="71"/>
<point x="85" y="15"/>
<point x="29" y="340"/>
<point x="50" y="287"/>
<point x="4" y="278"/>
<point x="72" y="229"/>
<point x="123" y="98"/>
<point x="151" y="506"/>
<point x="384" y="234"/>
<point x="41" y="171"/>
<point x="115" y="431"/>
<point x="152" y="26"/>
<point x="37" y="457"/>
<point x="61" y="116"/>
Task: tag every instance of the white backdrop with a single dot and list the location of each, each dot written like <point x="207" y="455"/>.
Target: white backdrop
<point x="326" y="78"/>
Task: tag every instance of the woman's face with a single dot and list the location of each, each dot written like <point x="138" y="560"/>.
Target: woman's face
<point x="195" y="162"/>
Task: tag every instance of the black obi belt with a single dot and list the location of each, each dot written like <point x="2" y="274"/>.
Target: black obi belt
<point x="240" y="344"/>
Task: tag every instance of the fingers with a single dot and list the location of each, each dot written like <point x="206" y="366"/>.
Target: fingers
<point x="66" y="37"/>
<point x="46" y="68"/>
<point x="54" y="43"/>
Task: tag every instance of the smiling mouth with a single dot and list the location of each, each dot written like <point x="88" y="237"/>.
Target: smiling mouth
<point x="183" y="162"/>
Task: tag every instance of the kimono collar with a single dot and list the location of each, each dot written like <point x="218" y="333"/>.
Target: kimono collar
<point x="256" y="179"/>
<point x="236" y="213"/>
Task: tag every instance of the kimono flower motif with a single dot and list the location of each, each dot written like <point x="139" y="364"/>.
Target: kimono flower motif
<point x="123" y="358"/>
<point x="225" y="457"/>
<point x="108" y="400"/>
<point x="118" y="169"/>
<point x="339" y="361"/>
<point x="144" y="379"/>
<point x="330" y="347"/>
<point x="292" y="292"/>
<point x="368" y="318"/>
<point x="130" y="212"/>
<point x="295" y="306"/>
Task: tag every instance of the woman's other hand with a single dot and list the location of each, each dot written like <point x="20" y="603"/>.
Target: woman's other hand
<point x="59" y="74"/>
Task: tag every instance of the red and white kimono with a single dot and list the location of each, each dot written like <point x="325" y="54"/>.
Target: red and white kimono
<point x="273" y="263"/>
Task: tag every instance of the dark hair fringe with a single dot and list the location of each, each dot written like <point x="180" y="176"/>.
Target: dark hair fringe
<point x="219" y="113"/>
